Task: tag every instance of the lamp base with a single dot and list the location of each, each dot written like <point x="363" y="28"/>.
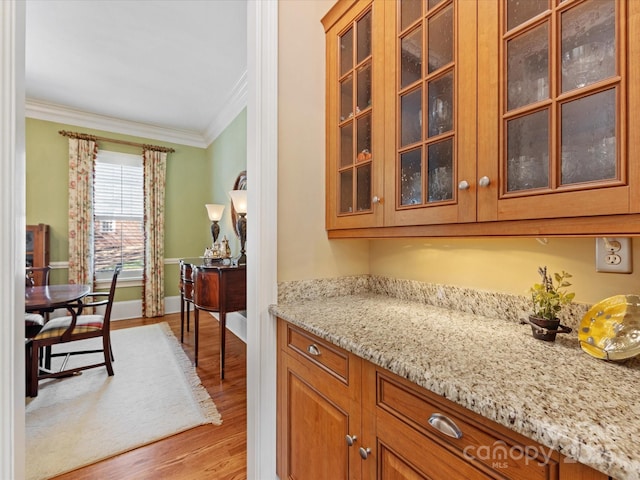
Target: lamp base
<point x="242" y="259"/>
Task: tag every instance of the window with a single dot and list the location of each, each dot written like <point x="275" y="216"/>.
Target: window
<point x="118" y="214"/>
<point x="107" y="226"/>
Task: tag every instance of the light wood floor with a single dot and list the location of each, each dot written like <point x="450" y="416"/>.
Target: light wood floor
<point x="205" y="452"/>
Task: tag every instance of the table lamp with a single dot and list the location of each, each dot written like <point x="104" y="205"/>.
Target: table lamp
<point x="215" y="214"/>
<point x="239" y="199"/>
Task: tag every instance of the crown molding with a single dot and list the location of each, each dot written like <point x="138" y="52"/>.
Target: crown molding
<point x="235" y="102"/>
<point x="57" y="113"/>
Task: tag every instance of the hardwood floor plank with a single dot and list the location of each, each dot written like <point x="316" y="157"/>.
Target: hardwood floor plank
<point x="207" y="451"/>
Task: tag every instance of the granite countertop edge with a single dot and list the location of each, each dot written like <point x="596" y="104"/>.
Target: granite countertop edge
<point x="363" y="322"/>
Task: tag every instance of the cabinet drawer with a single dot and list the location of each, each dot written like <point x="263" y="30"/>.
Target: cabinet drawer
<point x="461" y="433"/>
<point x="318" y="351"/>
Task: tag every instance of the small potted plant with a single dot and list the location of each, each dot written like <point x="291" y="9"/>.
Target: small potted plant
<point x="549" y="297"/>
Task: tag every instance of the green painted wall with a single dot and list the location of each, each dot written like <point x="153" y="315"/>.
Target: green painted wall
<point x="187" y="190"/>
<point x="226" y="158"/>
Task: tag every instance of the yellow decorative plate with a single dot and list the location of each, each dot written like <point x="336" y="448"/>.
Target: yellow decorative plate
<point x="611" y="328"/>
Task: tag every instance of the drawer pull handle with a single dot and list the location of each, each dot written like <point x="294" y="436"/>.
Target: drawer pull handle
<point x="313" y="350"/>
<point x="445" y="425"/>
<point x="364" y="452"/>
<point x="351" y="439"/>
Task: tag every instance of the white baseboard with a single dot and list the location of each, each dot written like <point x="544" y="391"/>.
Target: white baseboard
<point x="236" y="324"/>
<point x="129" y="309"/>
<point x="236" y="321"/>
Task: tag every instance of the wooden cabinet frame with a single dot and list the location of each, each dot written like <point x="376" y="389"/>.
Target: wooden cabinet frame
<point x="394" y="427"/>
<point x="485" y="211"/>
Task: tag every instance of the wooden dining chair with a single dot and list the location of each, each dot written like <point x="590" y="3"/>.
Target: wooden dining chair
<point x="37" y="276"/>
<point x="33" y="322"/>
<point x="76" y="326"/>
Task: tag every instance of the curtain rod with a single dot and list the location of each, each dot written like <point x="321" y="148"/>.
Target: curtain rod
<point x="86" y="136"/>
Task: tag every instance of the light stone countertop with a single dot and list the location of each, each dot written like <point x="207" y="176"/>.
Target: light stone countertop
<point x="553" y="393"/>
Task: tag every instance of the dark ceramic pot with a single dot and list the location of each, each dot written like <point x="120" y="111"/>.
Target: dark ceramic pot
<point x="546" y="330"/>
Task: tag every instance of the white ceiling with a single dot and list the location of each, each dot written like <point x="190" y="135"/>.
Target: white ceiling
<point x="176" y="65"/>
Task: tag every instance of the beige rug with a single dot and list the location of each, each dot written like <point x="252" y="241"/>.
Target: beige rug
<point x="154" y="393"/>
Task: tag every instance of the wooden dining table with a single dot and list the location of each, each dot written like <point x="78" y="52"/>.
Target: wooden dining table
<point x="47" y="298"/>
<point x="50" y="297"/>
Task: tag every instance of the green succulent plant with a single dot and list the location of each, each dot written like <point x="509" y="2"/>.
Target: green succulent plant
<point x="548" y="296"/>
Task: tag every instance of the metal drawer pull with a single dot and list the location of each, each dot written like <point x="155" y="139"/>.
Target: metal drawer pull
<point x="351" y="439"/>
<point x="445" y="425"/>
<point x="313" y="350"/>
<point x="364" y="452"/>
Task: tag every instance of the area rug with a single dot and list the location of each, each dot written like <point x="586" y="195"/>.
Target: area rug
<point x="80" y="420"/>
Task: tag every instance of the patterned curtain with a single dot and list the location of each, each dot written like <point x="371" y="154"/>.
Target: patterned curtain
<point x="82" y="153"/>
<point x="154" y="182"/>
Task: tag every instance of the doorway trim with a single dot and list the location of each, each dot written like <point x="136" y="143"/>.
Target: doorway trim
<point x="12" y="239"/>
<point x="262" y="288"/>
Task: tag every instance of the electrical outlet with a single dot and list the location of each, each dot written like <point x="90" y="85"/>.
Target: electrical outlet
<point x="613" y="255"/>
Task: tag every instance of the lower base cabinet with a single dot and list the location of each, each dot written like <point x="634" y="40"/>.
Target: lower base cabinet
<point x="341" y="417"/>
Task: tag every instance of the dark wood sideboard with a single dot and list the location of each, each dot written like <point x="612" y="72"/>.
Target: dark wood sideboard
<point x="217" y="288"/>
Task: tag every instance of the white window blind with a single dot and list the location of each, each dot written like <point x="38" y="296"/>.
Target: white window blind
<point x="119" y="206"/>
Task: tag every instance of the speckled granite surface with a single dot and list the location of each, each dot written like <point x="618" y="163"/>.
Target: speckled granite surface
<point x="553" y="393"/>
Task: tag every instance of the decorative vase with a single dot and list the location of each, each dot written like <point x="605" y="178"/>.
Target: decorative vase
<point x="545" y="329"/>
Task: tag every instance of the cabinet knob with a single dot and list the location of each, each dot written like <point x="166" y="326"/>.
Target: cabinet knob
<point x="484" y="181"/>
<point x="364" y="452"/>
<point x="376" y="199"/>
<point x="313" y="350"/>
<point x="445" y="425"/>
<point x="463" y="185"/>
<point x="351" y="439"/>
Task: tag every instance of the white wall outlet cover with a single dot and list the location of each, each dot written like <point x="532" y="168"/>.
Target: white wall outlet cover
<point x="613" y="254"/>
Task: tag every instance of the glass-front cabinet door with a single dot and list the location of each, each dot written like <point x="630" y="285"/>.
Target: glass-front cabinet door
<point x="561" y="104"/>
<point x="431" y="160"/>
<point x="354" y="116"/>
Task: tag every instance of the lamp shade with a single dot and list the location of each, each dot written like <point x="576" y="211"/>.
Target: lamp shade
<point x="239" y="199"/>
<point x="214" y="211"/>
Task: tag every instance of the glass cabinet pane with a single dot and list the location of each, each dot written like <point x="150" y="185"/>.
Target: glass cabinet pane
<point x="364" y="187"/>
<point x="528" y="67"/>
<point x="346" y="98"/>
<point x="346" y="145"/>
<point x="355" y="128"/>
<point x="346" y="191"/>
<point x="562" y="95"/>
<point x="363" y="48"/>
<point x="440" y="174"/>
<point x="588" y="43"/>
<point x="346" y="51"/>
<point x="411" y="58"/>
<point x="364" y="88"/>
<point x="364" y="138"/>
<point x="427" y="60"/>
<point x="411" y="177"/>
<point x="528" y="151"/>
<point x="411" y="117"/>
<point x="519" y="11"/>
<point x="589" y="138"/>
<point x="410" y="11"/>
<point x="440" y="39"/>
<point x="441" y="105"/>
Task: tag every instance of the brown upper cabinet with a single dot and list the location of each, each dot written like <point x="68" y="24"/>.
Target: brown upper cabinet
<point x="450" y="117"/>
